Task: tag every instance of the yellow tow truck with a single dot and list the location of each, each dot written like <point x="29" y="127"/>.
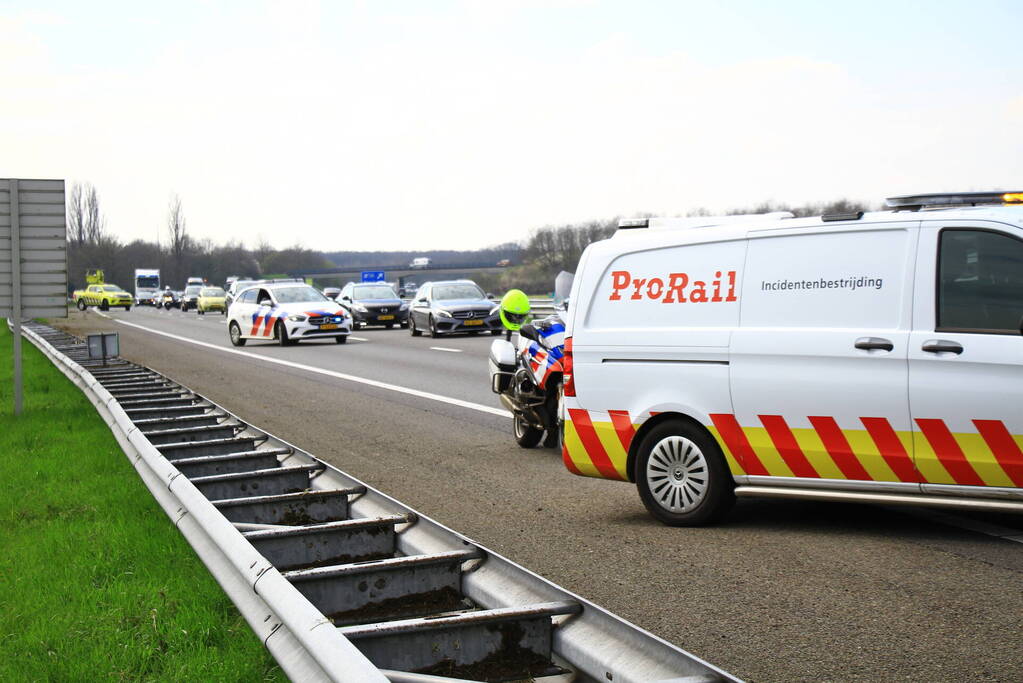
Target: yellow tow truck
<point x="99" y="293"/>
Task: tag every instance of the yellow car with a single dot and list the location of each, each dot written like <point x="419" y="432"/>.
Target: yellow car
<point x="212" y="299"/>
<point x="105" y="296"/>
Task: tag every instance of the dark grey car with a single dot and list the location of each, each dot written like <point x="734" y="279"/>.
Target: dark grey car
<point x="190" y="299"/>
<point x="456" y="306"/>
<point x="373" y="304"/>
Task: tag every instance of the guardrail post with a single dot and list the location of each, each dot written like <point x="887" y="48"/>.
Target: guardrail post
<point x="16" y="291"/>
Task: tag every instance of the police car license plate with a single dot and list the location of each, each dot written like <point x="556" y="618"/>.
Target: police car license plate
<point x="328" y="326"/>
<point x="385" y="317"/>
<point x="473" y="322"/>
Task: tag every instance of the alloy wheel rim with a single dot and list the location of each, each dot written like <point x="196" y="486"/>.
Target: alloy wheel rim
<point x="677" y="474"/>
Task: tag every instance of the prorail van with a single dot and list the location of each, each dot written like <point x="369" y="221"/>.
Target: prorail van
<point x="864" y="357"/>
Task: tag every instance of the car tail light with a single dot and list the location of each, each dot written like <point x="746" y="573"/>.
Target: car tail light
<point x="566" y="366"/>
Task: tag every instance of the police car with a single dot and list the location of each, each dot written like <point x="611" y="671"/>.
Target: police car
<point x="860" y="357"/>
<point x="287" y="312"/>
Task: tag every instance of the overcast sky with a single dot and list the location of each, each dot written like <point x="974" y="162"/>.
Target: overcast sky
<point x="429" y="124"/>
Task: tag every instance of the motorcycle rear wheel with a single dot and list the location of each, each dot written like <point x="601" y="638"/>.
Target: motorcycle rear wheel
<point x="526" y="435"/>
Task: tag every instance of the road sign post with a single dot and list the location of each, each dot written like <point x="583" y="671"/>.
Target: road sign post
<point x="372" y="276"/>
<point x="33" y="258"/>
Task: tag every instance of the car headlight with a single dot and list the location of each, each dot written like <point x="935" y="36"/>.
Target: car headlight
<point x="360" y="308"/>
<point x="297" y="318"/>
<point x="444" y="314"/>
<point x="404" y="307"/>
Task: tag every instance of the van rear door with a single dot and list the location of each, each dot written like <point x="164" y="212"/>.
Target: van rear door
<point x="818" y="370"/>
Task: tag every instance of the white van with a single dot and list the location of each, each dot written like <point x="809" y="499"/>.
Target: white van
<point x="873" y="358"/>
<point x="421" y="262"/>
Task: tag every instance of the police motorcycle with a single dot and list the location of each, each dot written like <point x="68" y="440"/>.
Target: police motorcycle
<point x="167" y="299"/>
<point x="527" y="375"/>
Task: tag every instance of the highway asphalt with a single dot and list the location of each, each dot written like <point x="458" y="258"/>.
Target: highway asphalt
<point x="781" y="591"/>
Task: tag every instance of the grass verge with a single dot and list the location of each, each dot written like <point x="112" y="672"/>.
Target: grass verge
<point x="95" y="581"/>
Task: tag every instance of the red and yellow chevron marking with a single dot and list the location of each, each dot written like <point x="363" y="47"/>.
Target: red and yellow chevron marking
<point x="596" y="444"/>
<point x="597" y="449"/>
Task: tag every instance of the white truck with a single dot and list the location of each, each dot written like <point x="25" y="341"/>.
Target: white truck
<point x="147" y="286"/>
<point x="421" y="262"/>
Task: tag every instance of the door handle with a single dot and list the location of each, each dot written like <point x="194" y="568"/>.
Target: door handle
<point x="942" y="346"/>
<point x="868" y="343"/>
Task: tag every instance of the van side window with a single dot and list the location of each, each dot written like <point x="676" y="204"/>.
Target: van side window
<point x="980" y="282"/>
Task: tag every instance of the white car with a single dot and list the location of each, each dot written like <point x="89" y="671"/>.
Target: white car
<point x="286" y="312"/>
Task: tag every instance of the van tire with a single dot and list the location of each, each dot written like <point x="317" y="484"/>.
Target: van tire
<point x="682" y="476"/>
<point x="81" y="305"/>
<point x="526" y="435"/>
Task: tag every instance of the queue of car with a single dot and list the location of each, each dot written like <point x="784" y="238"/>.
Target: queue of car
<point x="287" y="311"/>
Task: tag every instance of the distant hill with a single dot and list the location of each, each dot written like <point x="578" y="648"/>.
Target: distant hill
<point x="356" y="259"/>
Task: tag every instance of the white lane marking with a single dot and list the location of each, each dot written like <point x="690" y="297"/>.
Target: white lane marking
<point x="442" y="348"/>
<point x="357" y="338"/>
<point x="329" y="373"/>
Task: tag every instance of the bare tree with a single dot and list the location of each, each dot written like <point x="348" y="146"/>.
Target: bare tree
<point x="76" y="215"/>
<point x="95" y="221"/>
<point x="86" y="223"/>
<point x="178" y="230"/>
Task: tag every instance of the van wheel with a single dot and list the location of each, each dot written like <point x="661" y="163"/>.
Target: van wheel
<point x="104" y="305"/>
<point x="682" y="476"/>
<point x="81" y="305"/>
<point x="236" y="334"/>
<point x="526" y="435"/>
<point x="127" y="308"/>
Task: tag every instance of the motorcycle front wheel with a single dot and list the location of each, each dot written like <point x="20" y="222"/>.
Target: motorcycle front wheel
<point x="526" y="435"/>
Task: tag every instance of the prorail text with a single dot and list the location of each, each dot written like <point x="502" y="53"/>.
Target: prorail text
<point x="676" y="289"/>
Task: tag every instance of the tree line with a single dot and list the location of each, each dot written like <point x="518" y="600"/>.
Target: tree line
<point x="553" y="248"/>
<point x="533" y="263"/>
<point x="178" y="255"/>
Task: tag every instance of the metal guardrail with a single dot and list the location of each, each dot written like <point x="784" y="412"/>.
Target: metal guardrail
<point x="341" y="582"/>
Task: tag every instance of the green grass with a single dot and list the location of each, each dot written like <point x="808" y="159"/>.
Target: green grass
<point x="96" y="583"/>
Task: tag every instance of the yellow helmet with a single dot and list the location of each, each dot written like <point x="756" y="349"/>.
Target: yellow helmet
<point x="514" y="309"/>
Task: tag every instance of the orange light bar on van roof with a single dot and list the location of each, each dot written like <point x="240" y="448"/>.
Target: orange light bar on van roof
<point x="920" y="201"/>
